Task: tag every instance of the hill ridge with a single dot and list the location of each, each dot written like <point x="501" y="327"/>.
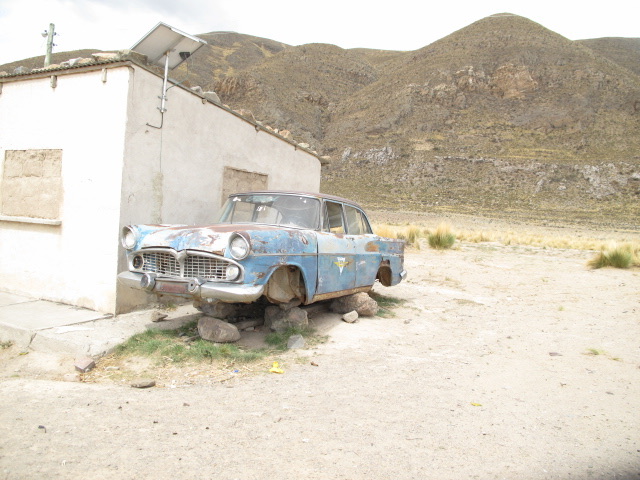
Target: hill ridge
<point x="501" y="115"/>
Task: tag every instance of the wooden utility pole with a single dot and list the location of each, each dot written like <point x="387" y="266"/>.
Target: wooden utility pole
<point x="50" y="34"/>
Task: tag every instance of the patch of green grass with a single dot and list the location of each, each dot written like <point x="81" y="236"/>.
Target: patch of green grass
<point x="278" y="340"/>
<point x="595" y="351"/>
<point x="386" y="304"/>
<point x="5" y="345"/>
<point x="174" y="345"/>
<point x="615" y="256"/>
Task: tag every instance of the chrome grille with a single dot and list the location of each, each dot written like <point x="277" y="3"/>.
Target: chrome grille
<point x="184" y="266"/>
<point x="161" y="263"/>
<point x="205" y="267"/>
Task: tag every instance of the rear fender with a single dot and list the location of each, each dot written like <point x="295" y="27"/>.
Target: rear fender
<point x="385" y="276"/>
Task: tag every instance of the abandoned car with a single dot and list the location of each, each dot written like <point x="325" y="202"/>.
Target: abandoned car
<point x="285" y="246"/>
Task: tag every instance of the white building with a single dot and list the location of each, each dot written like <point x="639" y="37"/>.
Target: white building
<point x="84" y="150"/>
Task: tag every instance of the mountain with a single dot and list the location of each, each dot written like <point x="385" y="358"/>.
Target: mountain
<point x="226" y="54"/>
<point x="499" y="83"/>
<point x="623" y="51"/>
<point x="503" y="117"/>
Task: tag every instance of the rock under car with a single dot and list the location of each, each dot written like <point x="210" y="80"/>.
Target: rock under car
<point x="280" y="245"/>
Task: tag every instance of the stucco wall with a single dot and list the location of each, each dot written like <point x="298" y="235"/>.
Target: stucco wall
<point x="174" y="174"/>
<point x="85" y="118"/>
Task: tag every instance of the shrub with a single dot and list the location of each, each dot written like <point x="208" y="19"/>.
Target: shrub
<point x="413" y="234"/>
<point x="442" y="238"/>
<point x="410" y="235"/>
<point x="614" y="256"/>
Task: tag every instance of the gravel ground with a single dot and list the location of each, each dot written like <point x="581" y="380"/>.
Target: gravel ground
<point x="504" y="362"/>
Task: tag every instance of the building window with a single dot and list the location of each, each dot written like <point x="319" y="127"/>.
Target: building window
<point x="235" y="181"/>
<point x="32" y="184"/>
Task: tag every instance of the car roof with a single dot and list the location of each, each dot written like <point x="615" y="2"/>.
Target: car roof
<point x="307" y="194"/>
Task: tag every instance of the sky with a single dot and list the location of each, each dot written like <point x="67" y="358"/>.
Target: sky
<point x="390" y="25"/>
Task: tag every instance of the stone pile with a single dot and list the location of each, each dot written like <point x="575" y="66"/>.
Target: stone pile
<point x="223" y="322"/>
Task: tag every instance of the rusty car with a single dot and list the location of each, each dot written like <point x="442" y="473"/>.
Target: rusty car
<point x="284" y="246"/>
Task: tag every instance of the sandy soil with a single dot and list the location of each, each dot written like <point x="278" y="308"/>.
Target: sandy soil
<point x="505" y="362"/>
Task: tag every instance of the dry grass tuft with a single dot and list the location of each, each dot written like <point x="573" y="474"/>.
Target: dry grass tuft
<point x="415" y="233"/>
<point x="443" y="238"/>
<point x="385" y="231"/>
<point x="617" y="256"/>
<point x="411" y="234"/>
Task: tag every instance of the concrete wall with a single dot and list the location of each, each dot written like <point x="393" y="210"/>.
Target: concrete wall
<point x="69" y="260"/>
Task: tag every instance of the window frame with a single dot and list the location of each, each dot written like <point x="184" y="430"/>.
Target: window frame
<point x="343" y="215"/>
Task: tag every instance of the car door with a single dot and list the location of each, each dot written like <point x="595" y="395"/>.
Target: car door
<point x="366" y="245"/>
<point x="336" y="252"/>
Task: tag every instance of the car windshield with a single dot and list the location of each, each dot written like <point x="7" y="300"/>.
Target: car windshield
<point x="272" y="209"/>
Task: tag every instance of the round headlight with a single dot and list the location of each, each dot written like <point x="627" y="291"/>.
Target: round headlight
<point x="239" y="247"/>
<point x="128" y="238"/>
<point x="233" y="272"/>
<point x="137" y="262"/>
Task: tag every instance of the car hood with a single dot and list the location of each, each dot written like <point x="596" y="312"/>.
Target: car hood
<point x="211" y="238"/>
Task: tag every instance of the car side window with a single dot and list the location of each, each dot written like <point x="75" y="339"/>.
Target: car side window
<point x="333" y="219"/>
<point x="356" y="223"/>
<point x="365" y="223"/>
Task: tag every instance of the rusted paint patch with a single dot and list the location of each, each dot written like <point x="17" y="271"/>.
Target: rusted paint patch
<point x="351" y="291"/>
<point x="372" y="247"/>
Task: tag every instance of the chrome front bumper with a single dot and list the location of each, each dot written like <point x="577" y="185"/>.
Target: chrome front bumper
<point x="224" y="292"/>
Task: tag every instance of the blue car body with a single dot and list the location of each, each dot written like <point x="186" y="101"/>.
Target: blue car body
<point x="281" y="245"/>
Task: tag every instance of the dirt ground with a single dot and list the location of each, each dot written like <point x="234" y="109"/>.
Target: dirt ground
<point x="505" y="362"/>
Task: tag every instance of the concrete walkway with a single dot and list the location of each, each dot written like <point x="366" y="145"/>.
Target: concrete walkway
<point x="51" y="327"/>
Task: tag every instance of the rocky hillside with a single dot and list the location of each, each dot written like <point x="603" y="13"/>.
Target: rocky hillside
<point x="503" y="117"/>
<point x="623" y="51"/>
